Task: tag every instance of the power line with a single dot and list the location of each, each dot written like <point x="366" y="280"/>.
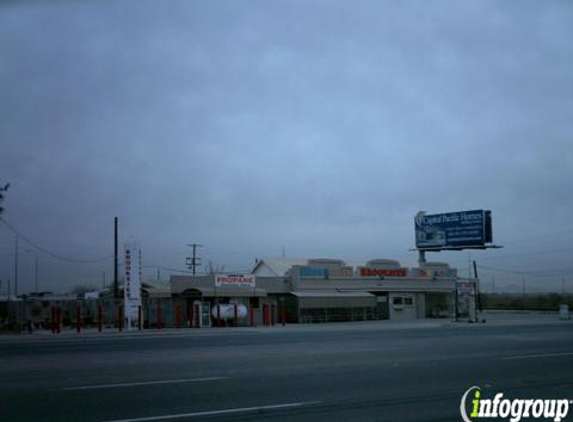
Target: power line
<point x="228" y="271"/>
<point x="529" y="238"/>
<point x="160" y="267"/>
<point x="217" y="251"/>
<point x="544" y="236"/>
<point x="52" y="254"/>
<point x="236" y="270"/>
<point x="490" y="258"/>
<point x="528" y="254"/>
<point x="532" y="273"/>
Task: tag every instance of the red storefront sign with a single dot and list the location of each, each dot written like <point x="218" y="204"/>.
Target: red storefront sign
<point x="379" y="272"/>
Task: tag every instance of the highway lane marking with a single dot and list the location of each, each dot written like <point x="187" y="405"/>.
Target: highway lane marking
<point x="218" y="412"/>
<point x="544" y="355"/>
<point x="136" y="384"/>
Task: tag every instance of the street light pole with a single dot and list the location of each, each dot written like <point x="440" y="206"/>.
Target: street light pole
<point x="35" y="268"/>
<point x="16" y="267"/>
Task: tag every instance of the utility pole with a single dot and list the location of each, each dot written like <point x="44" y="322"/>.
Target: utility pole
<point x="16" y="268"/>
<point x="36" y="287"/>
<point x="194" y="262"/>
<point x="16" y="284"/>
<point x="523" y="284"/>
<point x="115" y="264"/>
<point x="32" y="251"/>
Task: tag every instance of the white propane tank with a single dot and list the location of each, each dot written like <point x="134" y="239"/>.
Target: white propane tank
<point x="227" y="311"/>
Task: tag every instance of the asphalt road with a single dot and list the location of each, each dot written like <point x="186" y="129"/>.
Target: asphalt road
<point x="347" y="372"/>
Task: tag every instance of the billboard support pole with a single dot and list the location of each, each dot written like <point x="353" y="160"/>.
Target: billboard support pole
<point x="456" y="303"/>
<point x="477" y="288"/>
<point x="421" y="257"/>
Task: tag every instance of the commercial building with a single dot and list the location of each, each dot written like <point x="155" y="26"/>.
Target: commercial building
<point x="324" y="290"/>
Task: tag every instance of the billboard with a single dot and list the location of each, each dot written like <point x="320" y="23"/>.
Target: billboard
<point x="453" y="230"/>
<point x="238" y="280"/>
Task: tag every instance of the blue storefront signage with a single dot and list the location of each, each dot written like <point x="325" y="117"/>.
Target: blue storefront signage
<point x="453" y="230"/>
<point x="313" y="272"/>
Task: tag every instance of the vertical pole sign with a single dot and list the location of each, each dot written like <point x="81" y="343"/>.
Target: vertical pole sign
<point x="132" y="282"/>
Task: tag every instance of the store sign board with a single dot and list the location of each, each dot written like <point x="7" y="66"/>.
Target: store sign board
<point x="435" y="272"/>
<point x="383" y="272"/>
<point x="465" y="289"/>
<point x="131" y="281"/>
<point x="320" y="272"/>
<point x="235" y="280"/>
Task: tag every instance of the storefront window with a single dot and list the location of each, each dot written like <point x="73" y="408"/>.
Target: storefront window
<point x="255" y="303"/>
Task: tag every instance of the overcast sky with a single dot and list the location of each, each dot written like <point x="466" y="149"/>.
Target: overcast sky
<point x="320" y="126"/>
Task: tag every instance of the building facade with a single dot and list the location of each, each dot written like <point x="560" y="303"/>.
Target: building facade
<point x="324" y="290"/>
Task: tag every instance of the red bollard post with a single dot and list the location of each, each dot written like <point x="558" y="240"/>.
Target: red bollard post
<point x="78" y="319"/>
<point x="265" y="315"/>
<point x="59" y="320"/>
<point x="139" y="320"/>
<point x="251" y="319"/>
<point x="158" y="314"/>
<point x="99" y="318"/>
<point x="53" y="320"/>
<point x="178" y="316"/>
<point x="120" y="318"/>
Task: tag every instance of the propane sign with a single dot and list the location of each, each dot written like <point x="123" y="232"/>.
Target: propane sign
<point x="239" y="280"/>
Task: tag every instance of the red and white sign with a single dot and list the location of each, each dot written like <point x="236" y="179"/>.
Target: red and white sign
<point x="239" y="280"/>
<point x="465" y="289"/>
<point x="131" y="281"/>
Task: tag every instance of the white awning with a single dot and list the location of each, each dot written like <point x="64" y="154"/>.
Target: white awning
<point x="331" y="293"/>
<point x="226" y="292"/>
<point x="319" y="299"/>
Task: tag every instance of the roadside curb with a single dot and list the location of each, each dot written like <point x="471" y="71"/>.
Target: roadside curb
<point x="373" y="326"/>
